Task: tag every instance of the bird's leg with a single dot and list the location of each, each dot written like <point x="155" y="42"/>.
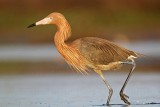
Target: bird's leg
<point x="123" y="96"/>
<point x="107" y="84"/>
<point x="110" y="91"/>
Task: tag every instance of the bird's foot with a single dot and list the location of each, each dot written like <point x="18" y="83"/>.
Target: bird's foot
<point x="105" y="104"/>
<point x="125" y="98"/>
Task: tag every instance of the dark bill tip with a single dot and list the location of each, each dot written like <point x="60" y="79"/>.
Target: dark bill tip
<point x="32" y="25"/>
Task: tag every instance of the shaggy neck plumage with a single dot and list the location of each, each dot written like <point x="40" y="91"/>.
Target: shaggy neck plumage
<point x="70" y="54"/>
<point x="63" y="33"/>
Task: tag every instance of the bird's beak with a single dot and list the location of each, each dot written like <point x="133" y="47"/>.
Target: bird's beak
<point x="41" y="22"/>
<point x="32" y="25"/>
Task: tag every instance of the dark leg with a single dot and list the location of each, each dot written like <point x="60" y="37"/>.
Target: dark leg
<point x="108" y="86"/>
<point x="122" y="95"/>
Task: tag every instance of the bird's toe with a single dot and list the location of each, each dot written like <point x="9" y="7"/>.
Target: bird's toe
<point x="124" y="97"/>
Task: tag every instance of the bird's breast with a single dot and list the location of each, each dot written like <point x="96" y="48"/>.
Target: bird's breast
<point x="73" y="57"/>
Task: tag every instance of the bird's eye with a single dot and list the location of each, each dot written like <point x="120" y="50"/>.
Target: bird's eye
<point x="51" y="18"/>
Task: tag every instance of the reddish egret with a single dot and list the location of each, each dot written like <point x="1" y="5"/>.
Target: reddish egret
<point x="90" y="52"/>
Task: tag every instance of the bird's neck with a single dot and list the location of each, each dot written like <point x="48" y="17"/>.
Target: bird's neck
<point x="70" y="54"/>
<point x="63" y="33"/>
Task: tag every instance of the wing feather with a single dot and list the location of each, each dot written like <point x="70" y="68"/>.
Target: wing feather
<point x="102" y="51"/>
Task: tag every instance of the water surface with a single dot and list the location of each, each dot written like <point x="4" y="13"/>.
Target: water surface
<point x="75" y="90"/>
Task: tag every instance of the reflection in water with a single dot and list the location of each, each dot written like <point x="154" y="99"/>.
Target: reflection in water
<point x="124" y="105"/>
<point x="113" y="105"/>
<point x="120" y="105"/>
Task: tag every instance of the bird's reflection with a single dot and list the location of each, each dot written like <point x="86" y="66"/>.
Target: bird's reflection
<point x="120" y="105"/>
<point x="124" y="105"/>
<point x="113" y="105"/>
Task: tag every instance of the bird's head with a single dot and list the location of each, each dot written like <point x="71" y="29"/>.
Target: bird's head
<point x="53" y="18"/>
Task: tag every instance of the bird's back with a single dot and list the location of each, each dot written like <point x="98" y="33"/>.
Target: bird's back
<point x="101" y="51"/>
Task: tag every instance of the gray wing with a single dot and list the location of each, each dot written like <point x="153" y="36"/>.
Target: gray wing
<point x="100" y="51"/>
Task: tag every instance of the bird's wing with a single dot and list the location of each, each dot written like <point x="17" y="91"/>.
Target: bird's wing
<point x="101" y="51"/>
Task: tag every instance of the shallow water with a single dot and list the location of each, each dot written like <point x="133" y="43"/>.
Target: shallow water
<point x="67" y="90"/>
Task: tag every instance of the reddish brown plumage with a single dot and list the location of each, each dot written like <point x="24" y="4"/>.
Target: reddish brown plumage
<point x="89" y="52"/>
<point x="70" y="54"/>
<point x="77" y="53"/>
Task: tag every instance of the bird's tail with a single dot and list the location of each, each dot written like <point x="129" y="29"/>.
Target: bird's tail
<point x="140" y="55"/>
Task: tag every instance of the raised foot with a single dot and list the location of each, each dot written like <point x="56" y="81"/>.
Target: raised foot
<point x="125" y="98"/>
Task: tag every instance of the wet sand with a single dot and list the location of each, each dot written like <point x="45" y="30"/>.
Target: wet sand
<point x="75" y="90"/>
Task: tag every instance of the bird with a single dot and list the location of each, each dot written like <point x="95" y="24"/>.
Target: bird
<point x="90" y="53"/>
